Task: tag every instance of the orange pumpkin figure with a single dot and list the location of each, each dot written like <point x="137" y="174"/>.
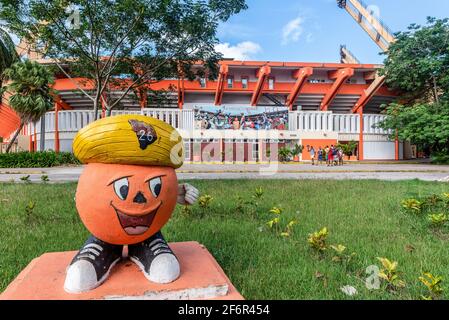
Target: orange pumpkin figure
<point x="126" y="194"/>
<point x="125" y="204"/>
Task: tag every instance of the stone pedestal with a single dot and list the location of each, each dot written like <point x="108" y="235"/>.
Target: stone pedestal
<point x="201" y="278"/>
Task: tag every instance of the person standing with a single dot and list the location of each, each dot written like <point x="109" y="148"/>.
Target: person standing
<point x="330" y="157"/>
<point x="335" y="156"/>
<point x="340" y="156"/>
<point x="312" y="155"/>
<point x="326" y="154"/>
<point x="320" y="155"/>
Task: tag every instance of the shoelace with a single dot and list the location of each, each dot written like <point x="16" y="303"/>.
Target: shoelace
<point x="90" y="251"/>
<point x="158" y="246"/>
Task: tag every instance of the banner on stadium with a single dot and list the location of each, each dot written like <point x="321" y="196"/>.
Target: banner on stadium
<point x="241" y="118"/>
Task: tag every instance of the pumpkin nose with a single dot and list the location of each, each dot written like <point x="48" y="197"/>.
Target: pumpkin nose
<point x="139" y="198"/>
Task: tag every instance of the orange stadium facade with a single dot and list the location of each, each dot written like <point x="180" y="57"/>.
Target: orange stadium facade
<point x="252" y="108"/>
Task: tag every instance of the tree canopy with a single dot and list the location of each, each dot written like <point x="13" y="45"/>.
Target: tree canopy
<point x="417" y="66"/>
<point x="417" y="63"/>
<point x="107" y="41"/>
<point x="8" y="54"/>
<point x="29" y="87"/>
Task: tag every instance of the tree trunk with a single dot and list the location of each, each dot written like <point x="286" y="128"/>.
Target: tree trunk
<point x="15" y="136"/>
<point x="435" y="90"/>
<point x="95" y="109"/>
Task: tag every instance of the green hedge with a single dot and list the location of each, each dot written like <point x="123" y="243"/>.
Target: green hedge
<point x="43" y="159"/>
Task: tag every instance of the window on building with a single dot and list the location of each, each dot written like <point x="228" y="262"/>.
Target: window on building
<point x="230" y="82"/>
<point x="270" y="83"/>
<point x="255" y="151"/>
<point x="244" y="83"/>
<point x="203" y="82"/>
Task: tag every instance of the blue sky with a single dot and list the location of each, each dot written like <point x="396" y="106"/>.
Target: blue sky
<point x="312" y="30"/>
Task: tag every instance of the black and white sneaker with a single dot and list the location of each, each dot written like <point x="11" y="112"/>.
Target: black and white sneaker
<point x="91" y="265"/>
<point x="155" y="258"/>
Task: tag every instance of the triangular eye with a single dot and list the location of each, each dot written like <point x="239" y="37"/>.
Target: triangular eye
<point x="121" y="188"/>
<point x="155" y="186"/>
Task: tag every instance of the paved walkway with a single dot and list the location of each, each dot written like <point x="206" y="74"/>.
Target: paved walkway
<point x="398" y="171"/>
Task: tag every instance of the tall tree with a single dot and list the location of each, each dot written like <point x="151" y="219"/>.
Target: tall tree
<point x="29" y="86"/>
<point x="122" y="44"/>
<point x="417" y="66"/>
<point x="8" y="54"/>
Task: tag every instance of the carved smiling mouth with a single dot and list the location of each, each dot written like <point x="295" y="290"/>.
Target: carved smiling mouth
<point x="136" y="224"/>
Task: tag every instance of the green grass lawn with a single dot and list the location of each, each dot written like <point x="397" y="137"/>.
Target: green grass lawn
<point x="365" y="216"/>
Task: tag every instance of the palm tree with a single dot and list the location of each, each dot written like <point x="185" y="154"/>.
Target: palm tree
<point x="8" y="53"/>
<point x="31" y="92"/>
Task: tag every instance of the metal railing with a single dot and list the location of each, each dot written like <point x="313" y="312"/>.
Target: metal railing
<point x="302" y="121"/>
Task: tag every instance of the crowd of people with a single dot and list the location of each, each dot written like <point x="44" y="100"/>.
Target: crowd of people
<point x="222" y="120"/>
<point x="333" y="156"/>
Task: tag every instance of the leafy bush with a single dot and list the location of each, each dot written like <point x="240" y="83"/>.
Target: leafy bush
<point x="440" y="158"/>
<point x="340" y="254"/>
<point x="297" y="150"/>
<point x="317" y="240"/>
<point x="284" y="154"/>
<point x="348" y="148"/>
<point x="412" y="205"/>
<point x="43" y="159"/>
<point x="433" y="285"/>
<point x="390" y="274"/>
<point x="437" y="219"/>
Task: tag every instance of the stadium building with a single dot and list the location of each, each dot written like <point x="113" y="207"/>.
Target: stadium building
<point x="250" y="111"/>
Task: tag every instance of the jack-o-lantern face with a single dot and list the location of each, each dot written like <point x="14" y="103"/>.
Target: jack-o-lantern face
<point x="125" y="204"/>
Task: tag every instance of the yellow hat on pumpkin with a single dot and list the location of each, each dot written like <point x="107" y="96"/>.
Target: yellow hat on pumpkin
<point x="129" y="139"/>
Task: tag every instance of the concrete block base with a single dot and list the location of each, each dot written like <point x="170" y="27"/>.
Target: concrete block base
<point x="201" y="278"/>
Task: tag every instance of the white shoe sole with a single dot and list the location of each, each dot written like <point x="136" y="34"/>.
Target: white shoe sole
<point x="96" y="284"/>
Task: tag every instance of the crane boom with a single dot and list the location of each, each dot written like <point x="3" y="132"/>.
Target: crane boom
<point x="378" y="32"/>
<point x="347" y="56"/>
<point x="375" y="28"/>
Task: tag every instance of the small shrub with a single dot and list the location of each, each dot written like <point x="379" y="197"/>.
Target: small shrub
<point x="276" y="210"/>
<point x="317" y="240"/>
<point x="277" y="218"/>
<point x="251" y="205"/>
<point x="41" y="159"/>
<point x="340" y="254"/>
<point x="440" y="158"/>
<point x="45" y="178"/>
<point x="412" y="205"/>
<point x="258" y="193"/>
<point x="289" y="229"/>
<point x="437" y="219"/>
<point x="204" y="201"/>
<point x="284" y="154"/>
<point x="433" y="285"/>
<point x="30" y="216"/>
<point x="432" y="200"/>
<point x="186" y="211"/>
<point x="390" y="274"/>
<point x="273" y="222"/>
<point x="279" y="223"/>
<point x="25" y="178"/>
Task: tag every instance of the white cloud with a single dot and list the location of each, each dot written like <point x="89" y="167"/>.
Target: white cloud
<point x="241" y="51"/>
<point x="292" y="31"/>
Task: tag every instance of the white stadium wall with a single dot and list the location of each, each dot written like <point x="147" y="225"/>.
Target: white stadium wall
<point x="380" y="150"/>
